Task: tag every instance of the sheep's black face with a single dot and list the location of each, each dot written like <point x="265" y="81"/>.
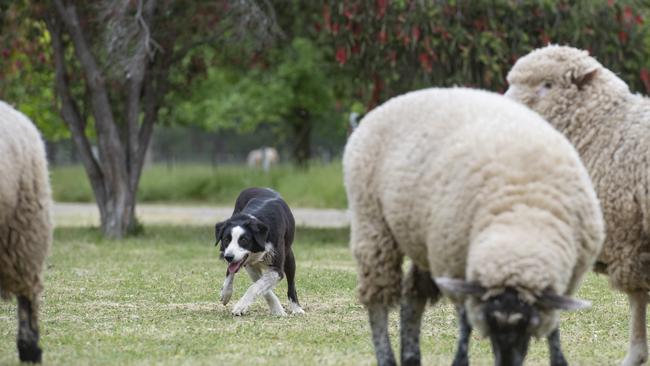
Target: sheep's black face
<point x="509" y="321"/>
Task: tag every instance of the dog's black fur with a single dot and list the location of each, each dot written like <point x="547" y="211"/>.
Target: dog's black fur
<point x="266" y="219"/>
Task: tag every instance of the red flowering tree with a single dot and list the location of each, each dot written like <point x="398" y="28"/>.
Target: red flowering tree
<point x="388" y="47"/>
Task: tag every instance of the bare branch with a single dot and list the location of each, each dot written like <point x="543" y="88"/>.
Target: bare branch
<point x="70" y="112"/>
<point x="128" y="36"/>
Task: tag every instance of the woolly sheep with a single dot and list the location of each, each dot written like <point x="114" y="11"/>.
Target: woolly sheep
<point x="610" y="128"/>
<point x="25" y="224"/>
<point x="479" y="190"/>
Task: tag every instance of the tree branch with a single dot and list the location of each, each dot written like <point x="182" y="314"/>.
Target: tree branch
<point x="110" y="146"/>
<point x="70" y="112"/>
<point x="135" y="79"/>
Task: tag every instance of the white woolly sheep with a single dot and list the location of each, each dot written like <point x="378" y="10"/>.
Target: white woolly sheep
<point x="25" y="224"/>
<point x="610" y="128"/>
<point x="474" y="187"/>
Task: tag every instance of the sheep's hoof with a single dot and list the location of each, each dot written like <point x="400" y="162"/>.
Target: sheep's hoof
<point x="29" y="352"/>
<point x="411" y="361"/>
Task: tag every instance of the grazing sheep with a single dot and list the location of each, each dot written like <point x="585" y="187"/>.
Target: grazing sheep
<point x="477" y="189"/>
<point x="610" y="128"/>
<point x="25" y="226"/>
<point x="263" y="157"/>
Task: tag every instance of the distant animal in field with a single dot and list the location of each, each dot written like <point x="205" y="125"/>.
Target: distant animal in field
<point x="25" y="223"/>
<point x="258" y="237"/>
<point x="263" y="157"/>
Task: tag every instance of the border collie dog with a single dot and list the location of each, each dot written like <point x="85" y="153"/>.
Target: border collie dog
<point x="258" y="237"/>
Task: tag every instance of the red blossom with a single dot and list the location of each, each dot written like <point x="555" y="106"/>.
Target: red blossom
<point x="415" y="33"/>
<point x="628" y="14"/>
<point x="327" y="18"/>
<point x="425" y="62"/>
<point x="644" y="74"/>
<point x="381" y="8"/>
<point x="356" y="29"/>
<point x="341" y="55"/>
<point x="356" y="48"/>
<point x="544" y="39"/>
<point x="392" y="57"/>
<point x="638" y="19"/>
<point x="611" y="2"/>
<point x="623" y="36"/>
<point x="335" y="28"/>
<point x="382" y="36"/>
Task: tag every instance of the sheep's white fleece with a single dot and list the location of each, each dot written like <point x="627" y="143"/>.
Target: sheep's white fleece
<point x="25" y="203"/>
<point x="610" y="128"/>
<point x="468" y="184"/>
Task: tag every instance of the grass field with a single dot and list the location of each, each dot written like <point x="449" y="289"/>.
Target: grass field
<point x="153" y="299"/>
<point x="320" y="187"/>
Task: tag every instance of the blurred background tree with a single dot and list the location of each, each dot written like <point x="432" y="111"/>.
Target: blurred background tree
<point x="389" y="47"/>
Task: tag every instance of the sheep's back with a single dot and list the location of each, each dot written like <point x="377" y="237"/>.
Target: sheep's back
<point x="434" y="158"/>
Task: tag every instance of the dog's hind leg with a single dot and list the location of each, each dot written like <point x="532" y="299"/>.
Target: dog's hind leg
<point x="417" y="288"/>
<point x="290" y="272"/>
<point x="274" y="303"/>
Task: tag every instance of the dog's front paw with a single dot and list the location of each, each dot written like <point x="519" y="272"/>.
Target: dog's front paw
<point x="239" y="309"/>
<point x="278" y="312"/>
<point x="226" y="293"/>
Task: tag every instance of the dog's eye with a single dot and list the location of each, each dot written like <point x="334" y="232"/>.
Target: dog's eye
<point x="548" y="84"/>
<point x="243" y="240"/>
<point x="227" y="239"/>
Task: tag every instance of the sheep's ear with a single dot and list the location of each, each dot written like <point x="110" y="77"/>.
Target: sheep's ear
<point x="549" y="300"/>
<point x="457" y="286"/>
<point x="584" y="78"/>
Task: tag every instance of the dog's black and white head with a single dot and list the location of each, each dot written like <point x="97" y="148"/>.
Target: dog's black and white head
<point x="241" y="237"/>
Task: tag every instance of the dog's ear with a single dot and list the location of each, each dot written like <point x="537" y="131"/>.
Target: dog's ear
<point x="260" y="231"/>
<point x="218" y="232"/>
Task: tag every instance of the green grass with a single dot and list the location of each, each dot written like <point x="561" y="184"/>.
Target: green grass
<point x="321" y="186"/>
<point x="153" y="299"/>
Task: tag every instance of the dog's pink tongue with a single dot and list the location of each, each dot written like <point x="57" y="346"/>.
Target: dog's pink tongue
<point x="234" y="267"/>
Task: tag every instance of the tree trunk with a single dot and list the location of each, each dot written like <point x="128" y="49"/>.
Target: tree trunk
<point x="114" y="171"/>
<point x="301" y="125"/>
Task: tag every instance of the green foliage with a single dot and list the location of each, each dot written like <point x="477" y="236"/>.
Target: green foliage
<point x="321" y="186"/>
<point x="26" y="80"/>
<point x="153" y="300"/>
<point x="231" y="97"/>
<point x="389" y="47"/>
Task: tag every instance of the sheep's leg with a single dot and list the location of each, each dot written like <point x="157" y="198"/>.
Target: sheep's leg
<point x="555" y="348"/>
<point x="378" y="316"/>
<point x="638" y="352"/>
<point x="465" y="330"/>
<point x="27" y="342"/>
<point x="274" y="303"/>
<point x="417" y="287"/>
<point x="379" y="274"/>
